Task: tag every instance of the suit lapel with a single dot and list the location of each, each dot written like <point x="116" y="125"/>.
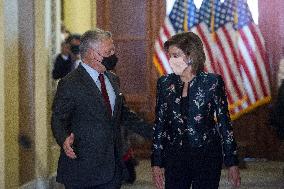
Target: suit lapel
<point x="91" y="86"/>
<point x="95" y="91"/>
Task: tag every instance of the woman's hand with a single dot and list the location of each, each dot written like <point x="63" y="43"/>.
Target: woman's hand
<point x="234" y="176"/>
<point x="158" y="177"/>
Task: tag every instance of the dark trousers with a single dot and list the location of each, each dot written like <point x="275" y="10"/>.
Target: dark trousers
<point x="196" y="167"/>
<point x="115" y="183"/>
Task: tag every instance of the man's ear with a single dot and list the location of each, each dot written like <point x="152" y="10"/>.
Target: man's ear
<point x="91" y="53"/>
<point x="94" y="53"/>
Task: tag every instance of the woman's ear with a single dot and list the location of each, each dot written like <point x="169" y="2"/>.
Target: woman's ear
<point x="189" y="62"/>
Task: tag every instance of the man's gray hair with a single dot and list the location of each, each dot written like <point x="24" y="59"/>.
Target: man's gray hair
<point x="92" y="38"/>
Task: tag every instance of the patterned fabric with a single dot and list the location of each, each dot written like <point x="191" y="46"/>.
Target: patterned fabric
<point x="206" y="121"/>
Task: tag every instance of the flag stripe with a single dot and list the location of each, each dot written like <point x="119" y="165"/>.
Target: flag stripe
<point x="208" y="63"/>
<point x="163" y="58"/>
<point x="259" y="42"/>
<point x="202" y="30"/>
<point x="248" y="85"/>
<point x="169" y="27"/>
<point x="261" y="46"/>
<point x="254" y="62"/>
<point x="227" y="64"/>
<point x="207" y="45"/>
<point x="259" y="58"/>
<point x="229" y="36"/>
<point x="247" y="72"/>
<point x="224" y="40"/>
<point x="159" y="65"/>
<point x="228" y="33"/>
<point x="226" y="37"/>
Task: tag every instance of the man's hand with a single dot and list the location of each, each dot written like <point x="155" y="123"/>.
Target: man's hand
<point x="158" y="177"/>
<point x="67" y="146"/>
<point x="234" y="176"/>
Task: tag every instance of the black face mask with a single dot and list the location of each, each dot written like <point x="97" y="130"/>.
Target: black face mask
<point x="110" y="62"/>
<point x="75" y="49"/>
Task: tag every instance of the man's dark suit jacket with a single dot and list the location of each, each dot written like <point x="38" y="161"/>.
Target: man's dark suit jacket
<point x="61" y="67"/>
<point x="79" y="108"/>
<point x="278" y="116"/>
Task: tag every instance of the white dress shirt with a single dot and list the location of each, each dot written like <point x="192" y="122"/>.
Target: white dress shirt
<point x="95" y="76"/>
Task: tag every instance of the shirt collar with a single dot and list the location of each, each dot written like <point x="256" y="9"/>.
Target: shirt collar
<point x="93" y="73"/>
<point x="64" y="57"/>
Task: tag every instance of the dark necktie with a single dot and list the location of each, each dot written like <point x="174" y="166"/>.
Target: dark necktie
<point x="104" y="93"/>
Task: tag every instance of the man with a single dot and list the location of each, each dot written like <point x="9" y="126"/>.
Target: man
<point x="277" y="113"/>
<point x="68" y="59"/>
<point x="278" y="118"/>
<point x="87" y="110"/>
<point x="281" y="69"/>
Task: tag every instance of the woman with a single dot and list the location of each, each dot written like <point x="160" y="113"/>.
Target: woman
<point x="192" y="133"/>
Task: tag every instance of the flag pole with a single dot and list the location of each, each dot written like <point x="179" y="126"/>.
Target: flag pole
<point x="213" y="20"/>
<point x="185" y="21"/>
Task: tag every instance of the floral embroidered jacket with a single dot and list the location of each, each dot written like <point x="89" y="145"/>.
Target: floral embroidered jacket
<point x="207" y="119"/>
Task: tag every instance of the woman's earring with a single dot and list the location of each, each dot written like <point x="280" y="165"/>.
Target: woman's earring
<point x="189" y="62"/>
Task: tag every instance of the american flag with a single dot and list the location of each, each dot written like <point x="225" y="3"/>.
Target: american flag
<point x="233" y="45"/>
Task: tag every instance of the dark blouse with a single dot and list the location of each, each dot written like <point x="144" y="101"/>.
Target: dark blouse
<point x="184" y="106"/>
